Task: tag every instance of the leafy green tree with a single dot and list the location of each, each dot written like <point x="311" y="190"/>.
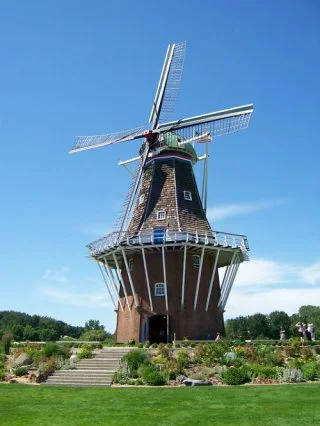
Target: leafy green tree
<point x="48" y="334"/>
<point x="237" y="328"/>
<point x="94" y="335"/>
<point x="93" y="325"/>
<point x="30" y="333"/>
<point x="276" y="320"/>
<point x="258" y="326"/>
<point x="17" y="331"/>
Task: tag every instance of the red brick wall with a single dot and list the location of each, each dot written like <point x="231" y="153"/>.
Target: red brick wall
<point x="184" y="320"/>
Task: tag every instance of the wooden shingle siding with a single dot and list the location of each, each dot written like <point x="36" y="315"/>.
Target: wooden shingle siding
<point x="191" y="214"/>
<point x="163" y="183"/>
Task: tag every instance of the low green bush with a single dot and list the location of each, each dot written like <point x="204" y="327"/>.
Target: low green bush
<point x="311" y="370"/>
<point x="209" y="353"/>
<point x="21" y="371"/>
<point x="172" y="368"/>
<point x="51" y="349"/>
<point x="2" y="376"/>
<point x="135" y="359"/>
<point x="183" y="359"/>
<point x="153" y="377"/>
<point x="85" y="351"/>
<point x="235" y="376"/>
<point x="262" y="371"/>
<point x="120" y="377"/>
<point x="85" y="354"/>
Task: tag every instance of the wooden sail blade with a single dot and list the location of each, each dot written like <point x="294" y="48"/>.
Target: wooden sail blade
<point x="168" y="86"/>
<point x="83" y="143"/>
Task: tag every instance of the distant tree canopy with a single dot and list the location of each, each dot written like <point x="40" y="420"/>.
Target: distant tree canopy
<point x="35" y="327"/>
<point x="260" y="326"/>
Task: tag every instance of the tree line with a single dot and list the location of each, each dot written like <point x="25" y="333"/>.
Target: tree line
<point x="261" y="326"/>
<point x="42" y="328"/>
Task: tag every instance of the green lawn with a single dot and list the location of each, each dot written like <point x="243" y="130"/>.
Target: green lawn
<point x="246" y="405"/>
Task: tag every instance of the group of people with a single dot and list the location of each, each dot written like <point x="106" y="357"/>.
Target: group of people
<point x="306" y="331"/>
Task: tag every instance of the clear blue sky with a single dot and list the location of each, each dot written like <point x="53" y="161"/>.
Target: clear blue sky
<point x="70" y="68"/>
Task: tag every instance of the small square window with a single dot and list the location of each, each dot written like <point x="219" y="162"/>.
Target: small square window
<point x="161" y="215"/>
<point x="141" y="199"/>
<point x="187" y="195"/>
<point x="196" y="261"/>
<point x="159" y="289"/>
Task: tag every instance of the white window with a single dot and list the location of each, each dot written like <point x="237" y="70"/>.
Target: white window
<point x="141" y="199"/>
<point x="159" y="289"/>
<point x="196" y="261"/>
<point x="187" y="195"/>
<point x="161" y="215"/>
<point x="130" y="264"/>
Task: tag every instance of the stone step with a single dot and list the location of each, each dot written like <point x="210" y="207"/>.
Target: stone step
<point x="84" y="373"/>
<point x="77" y="385"/>
<point x="79" y="379"/>
<point x="74" y="383"/>
<point x="98" y="364"/>
<point x="110" y="356"/>
<point x="96" y="371"/>
<point x="100" y="379"/>
<point x="100" y="358"/>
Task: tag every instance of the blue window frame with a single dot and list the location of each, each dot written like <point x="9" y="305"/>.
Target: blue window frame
<point x="159" y="235"/>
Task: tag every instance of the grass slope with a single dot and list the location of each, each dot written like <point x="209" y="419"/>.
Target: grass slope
<point x="245" y="405"/>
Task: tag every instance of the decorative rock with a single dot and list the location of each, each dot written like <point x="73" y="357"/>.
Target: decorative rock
<point x="22" y="360"/>
<point x="191" y="382"/>
<point x="73" y="358"/>
<point x="231" y="355"/>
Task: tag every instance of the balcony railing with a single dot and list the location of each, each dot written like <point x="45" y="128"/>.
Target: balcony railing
<point x="155" y="237"/>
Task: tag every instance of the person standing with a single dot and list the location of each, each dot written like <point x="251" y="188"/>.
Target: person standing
<point x="311" y="330"/>
<point x="282" y="333"/>
<point x="300" y="331"/>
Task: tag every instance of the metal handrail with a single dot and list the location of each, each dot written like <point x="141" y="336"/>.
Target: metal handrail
<point x="125" y="238"/>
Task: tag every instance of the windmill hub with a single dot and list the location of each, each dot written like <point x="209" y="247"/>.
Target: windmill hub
<point x="167" y="272"/>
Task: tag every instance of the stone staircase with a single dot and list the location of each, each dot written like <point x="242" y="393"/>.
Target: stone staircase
<point x="96" y="371"/>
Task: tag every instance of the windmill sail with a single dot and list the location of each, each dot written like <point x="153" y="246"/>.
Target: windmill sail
<point x="124" y="216"/>
<point x="217" y="123"/>
<point x="83" y="143"/>
<point x="168" y="87"/>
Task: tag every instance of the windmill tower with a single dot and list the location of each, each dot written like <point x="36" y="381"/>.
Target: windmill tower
<point x="161" y="264"/>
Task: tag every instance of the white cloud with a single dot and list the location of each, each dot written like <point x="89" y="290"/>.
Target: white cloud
<point x="67" y="297"/>
<point x="264" y="285"/>
<point x="265" y="272"/>
<point x="311" y="274"/>
<point x="288" y="300"/>
<point x="224" y="211"/>
<point x="57" y="275"/>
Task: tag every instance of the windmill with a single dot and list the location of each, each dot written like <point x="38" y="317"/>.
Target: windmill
<point x="161" y="263"/>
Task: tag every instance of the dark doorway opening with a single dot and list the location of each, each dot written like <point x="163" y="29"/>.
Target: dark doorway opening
<point x="158" y="329"/>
